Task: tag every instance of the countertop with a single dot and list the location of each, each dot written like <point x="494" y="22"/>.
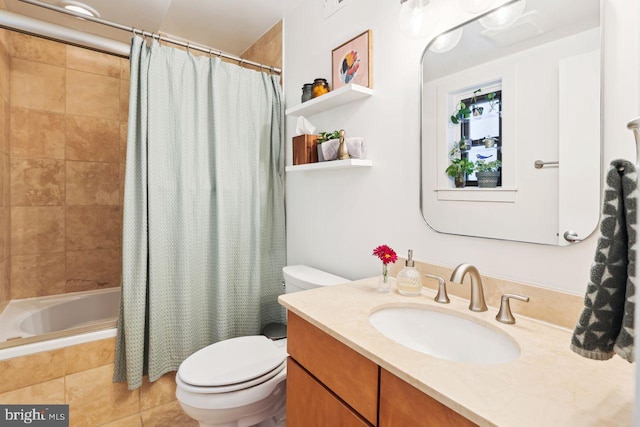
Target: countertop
<point x="547" y="384"/>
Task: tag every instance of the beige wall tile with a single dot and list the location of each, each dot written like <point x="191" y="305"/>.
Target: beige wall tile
<point x="37" y="134"/>
<point x="268" y="49"/>
<point x="95" y="269"/>
<point x="92" y="95"/>
<point x="90" y="183"/>
<point x="37" y="49"/>
<point x="46" y="393"/>
<point x="37" y="230"/>
<point x="168" y="415"/>
<point x="93" y="227"/>
<point x="37" y="275"/>
<point x="125" y="69"/>
<point x="123" y="175"/>
<point x="5" y="49"/>
<point x="132" y="421"/>
<point x="92" y="139"/>
<point x="124" y="101"/>
<point x="5" y="290"/>
<point x="37" y="86"/>
<point x="93" y="62"/>
<point x="4" y="126"/>
<point x="94" y="399"/>
<point x="5" y="214"/>
<point x="123" y="142"/>
<point x="6" y="180"/>
<point x="89" y="355"/>
<point x="33" y="369"/>
<point x="37" y="182"/>
<point x="5" y="73"/>
<point x="5" y="170"/>
<point x="159" y="392"/>
<point x="6" y="130"/>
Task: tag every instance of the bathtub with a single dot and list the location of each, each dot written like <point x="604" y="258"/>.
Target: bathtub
<point x="46" y="323"/>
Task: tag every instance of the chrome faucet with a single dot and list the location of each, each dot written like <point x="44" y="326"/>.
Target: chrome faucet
<point x="476" y="303"/>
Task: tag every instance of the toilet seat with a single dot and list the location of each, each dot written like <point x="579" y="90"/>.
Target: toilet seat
<point x="232" y="365"/>
<point x="231" y="387"/>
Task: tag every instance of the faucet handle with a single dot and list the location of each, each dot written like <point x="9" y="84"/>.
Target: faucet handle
<point x="504" y="314"/>
<point x="442" y="296"/>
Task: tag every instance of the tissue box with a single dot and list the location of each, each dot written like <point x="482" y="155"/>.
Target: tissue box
<point x="304" y="149"/>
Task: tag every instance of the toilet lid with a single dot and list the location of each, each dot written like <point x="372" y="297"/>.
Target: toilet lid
<point x="232" y="361"/>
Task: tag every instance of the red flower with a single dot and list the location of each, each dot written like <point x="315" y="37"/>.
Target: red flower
<point x="386" y="254"/>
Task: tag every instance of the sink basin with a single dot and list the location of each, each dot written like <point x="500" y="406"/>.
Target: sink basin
<point x="444" y="335"/>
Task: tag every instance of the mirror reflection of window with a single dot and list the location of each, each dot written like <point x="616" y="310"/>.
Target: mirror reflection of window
<point x="483" y="129"/>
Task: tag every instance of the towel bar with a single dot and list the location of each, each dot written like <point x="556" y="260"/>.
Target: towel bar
<point x="539" y="164"/>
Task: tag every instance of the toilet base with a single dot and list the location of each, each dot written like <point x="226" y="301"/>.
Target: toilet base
<point x="269" y="412"/>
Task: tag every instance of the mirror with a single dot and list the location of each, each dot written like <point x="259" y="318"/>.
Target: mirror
<point x="515" y="92"/>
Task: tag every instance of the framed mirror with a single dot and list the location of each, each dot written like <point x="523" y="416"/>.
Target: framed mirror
<point x="514" y="95"/>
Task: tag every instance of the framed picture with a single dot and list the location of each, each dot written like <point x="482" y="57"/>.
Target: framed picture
<point x="351" y="62"/>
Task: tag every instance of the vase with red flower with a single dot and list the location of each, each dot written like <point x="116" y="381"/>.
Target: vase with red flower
<point x="387" y="256"/>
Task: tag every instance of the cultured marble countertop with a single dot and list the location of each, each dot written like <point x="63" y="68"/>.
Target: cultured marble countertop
<point x="547" y="385"/>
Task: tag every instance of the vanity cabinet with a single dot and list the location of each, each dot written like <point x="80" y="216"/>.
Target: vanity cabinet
<point x="330" y="384"/>
<point x="350" y="376"/>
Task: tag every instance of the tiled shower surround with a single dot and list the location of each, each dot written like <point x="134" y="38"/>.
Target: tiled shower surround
<point x="63" y="126"/>
<point x="67" y="139"/>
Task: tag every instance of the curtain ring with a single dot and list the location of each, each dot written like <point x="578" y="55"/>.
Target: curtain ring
<point x="241" y="61"/>
<point x="271" y="70"/>
<point x="188" y="44"/>
<point x="210" y="53"/>
<point x="219" y="54"/>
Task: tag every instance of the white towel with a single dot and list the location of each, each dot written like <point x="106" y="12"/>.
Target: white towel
<point x="355" y="147"/>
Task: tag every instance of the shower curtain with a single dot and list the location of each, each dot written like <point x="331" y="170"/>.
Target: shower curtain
<point x="203" y="231"/>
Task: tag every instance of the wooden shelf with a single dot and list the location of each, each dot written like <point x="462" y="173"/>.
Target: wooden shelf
<point x="331" y="164"/>
<point x="335" y="98"/>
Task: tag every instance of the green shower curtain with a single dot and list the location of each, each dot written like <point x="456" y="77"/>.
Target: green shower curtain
<point x="204" y="236"/>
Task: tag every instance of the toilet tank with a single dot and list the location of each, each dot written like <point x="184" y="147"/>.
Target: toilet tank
<point x="301" y="277"/>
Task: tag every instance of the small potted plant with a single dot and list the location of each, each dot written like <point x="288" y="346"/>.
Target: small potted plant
<point x="324" y="137"/>
<point x="488" y="173"/>
<point x="461" y="114"/>
<point x="460" y="146"/>
<point x="458" y="170"/>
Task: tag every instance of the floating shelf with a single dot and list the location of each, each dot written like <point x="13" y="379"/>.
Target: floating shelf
<point x="331" y="164"/>
<point x="335" y="98"/>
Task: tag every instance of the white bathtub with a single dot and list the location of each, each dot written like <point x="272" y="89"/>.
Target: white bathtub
<point x="45" y="323"/>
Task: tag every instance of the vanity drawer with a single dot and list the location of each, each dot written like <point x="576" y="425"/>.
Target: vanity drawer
<point x="401" y="404"/>
<point x="310" y="404"/>
<point x="351" y="376"/>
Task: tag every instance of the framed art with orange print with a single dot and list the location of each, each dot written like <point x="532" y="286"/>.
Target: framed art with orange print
<point x="351" y="62"/>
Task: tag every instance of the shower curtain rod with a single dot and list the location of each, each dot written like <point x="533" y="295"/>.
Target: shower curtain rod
<point x="159" y="37"/>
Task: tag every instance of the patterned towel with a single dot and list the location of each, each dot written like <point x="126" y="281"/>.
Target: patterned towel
<point x="606" y="324"/>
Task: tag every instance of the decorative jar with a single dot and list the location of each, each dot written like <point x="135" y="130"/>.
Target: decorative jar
<point x="307" y="92"/>
<point x="320" y="87"/>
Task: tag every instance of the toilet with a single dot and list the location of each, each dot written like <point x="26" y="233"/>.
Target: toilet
<point x="240" y="382"/>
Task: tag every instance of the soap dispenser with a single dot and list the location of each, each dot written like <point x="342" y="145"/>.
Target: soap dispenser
<point x="409" y="281"/>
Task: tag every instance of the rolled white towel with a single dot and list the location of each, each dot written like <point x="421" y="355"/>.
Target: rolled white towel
<point x="355" y="147"/>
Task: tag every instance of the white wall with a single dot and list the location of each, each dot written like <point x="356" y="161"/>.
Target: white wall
<point x="336" y="218"/>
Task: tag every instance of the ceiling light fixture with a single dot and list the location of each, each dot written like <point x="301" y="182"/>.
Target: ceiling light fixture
<point x="82" y="8"/>
<point x="447" y="41"/>
<point x="475" y="6"/>
<point x="504" y="16"/>
<point x="413" y="18"/>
